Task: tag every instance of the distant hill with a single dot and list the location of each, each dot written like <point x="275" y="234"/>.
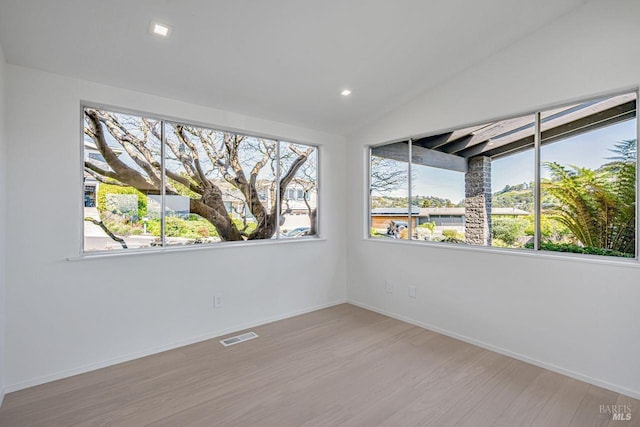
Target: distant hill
<point x="518" y="196"/>
<point x="514" y="196"/>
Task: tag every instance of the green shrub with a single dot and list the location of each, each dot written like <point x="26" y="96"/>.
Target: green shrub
<point x="450" y="233"/>
<point x="568" y="247"/>
<point x="175" y="227"/>
<point x="121" y="228"/>
<point x="104" y="204"/>
<point x="508" y="230"/>
<point x="452" y="236"/>
<point x="153" y="227"/>
<point x="196" y="228"/>
<point x="498" y="243"/>
<point x="429" y="225"/>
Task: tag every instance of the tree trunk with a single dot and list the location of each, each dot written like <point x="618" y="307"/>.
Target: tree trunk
<point x="211" y="207"/>
<point x="313" y="223"/>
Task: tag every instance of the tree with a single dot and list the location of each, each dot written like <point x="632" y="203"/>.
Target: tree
<point x="201" y="164"/>
<point x="509" y="230"/>
<point x="306" y="179"/>
<point x="597" y="206"/>
<point x="387" y="175"/>
<point x="432" y="202"/>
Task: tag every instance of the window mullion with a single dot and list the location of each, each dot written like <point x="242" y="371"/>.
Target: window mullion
<point x="278" y="178"/>
<point x="637" y="177"/>
<point x="409" y="213"/>
<point x="537" y="202"/>
<point x="163" y="184"/>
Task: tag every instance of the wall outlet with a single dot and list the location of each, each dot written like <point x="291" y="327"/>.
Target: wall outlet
<point x="412" y="291"/>
<point x="388" y="287"/>
<point x="217" y="301"/>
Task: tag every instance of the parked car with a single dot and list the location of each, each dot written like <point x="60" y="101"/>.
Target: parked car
<point x="297" y="232"/>
<point x="395" y="227"/>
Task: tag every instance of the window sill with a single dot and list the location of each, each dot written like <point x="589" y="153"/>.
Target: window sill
<point x="191" y="248"/>
<point x="562" y="256"/>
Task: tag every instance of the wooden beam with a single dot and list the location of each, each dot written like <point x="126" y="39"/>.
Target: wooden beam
<point x="521" y="127"/>
<point x="434" y="141"/>
<point x="505" y="150"/>
<point x="614" y="115"/>
<point x="495" y="130"/>
<point x="561" y="126"/>
<point x="399" y="151"/>
<point x="437" y="141"/>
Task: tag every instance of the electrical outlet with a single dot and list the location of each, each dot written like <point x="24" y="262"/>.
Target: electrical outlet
<point x="412" y="291"/>
<point x="217" y="301"/>
<point x="388" y="287"/>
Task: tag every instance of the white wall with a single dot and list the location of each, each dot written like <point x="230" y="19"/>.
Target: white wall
<point x="65" y="316"/>
<point x="3" y="203"/>
<point x="577" y="317"/>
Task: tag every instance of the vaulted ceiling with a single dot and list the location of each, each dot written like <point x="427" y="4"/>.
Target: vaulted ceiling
<point x="283" y="60"/>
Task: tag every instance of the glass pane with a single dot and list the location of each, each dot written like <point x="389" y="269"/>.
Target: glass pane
<point x="389" y="188"/>
<point x="437" y="200"/>
<point x="512" y="183"/>
<point x="299" y="190"/>
<point x="588" y="155"/>
<point x="122" y="180"/>
<point x="220" y="186"/>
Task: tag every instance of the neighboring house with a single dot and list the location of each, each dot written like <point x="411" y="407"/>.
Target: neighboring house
<point x="455" y="216"/>
<point x="443" y="217"/>
<point x="90" y="183"/>
<point x="380" y="217"/>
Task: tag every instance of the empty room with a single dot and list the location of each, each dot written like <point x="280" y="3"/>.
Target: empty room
<point x="339" y="213"/>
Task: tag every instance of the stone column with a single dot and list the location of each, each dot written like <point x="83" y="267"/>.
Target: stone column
<point x="478" y="201"/>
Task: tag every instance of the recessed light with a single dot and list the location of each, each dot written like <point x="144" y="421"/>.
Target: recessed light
<point x="345" y="92"/>
<point x="159" y="29"/>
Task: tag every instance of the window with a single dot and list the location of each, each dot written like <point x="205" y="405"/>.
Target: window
<point x="563" y="180"/>
<point x="389" y="191"/>
<point x="96" y="156"/>
<point x="291" y="194"/>
<point x="155" y="183"/>
<point x="299" y="215"/>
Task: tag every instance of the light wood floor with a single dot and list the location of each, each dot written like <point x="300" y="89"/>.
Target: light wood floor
<point x="339" y="366"/>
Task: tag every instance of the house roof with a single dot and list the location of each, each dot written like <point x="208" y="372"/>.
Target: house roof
<point x="395" y="211"/>
<point x="456" y="211"/>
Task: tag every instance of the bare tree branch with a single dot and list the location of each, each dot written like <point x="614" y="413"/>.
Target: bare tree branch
<point x="106" y="230"/>
<point x="104" y="179"/>
<point x="135" y="148"/>
<point x="179" y="131"/>
<point x="124" y="173"/>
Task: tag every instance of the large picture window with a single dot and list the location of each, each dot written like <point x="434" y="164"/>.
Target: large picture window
<point x="562" y="180"/>
<point x="156" y="183"/>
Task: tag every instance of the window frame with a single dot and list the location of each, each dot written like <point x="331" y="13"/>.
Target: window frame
<point x="163" y="119"/>
<point x="536" y="251"/>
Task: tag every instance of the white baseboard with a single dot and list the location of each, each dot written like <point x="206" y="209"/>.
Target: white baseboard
<point x="2" y="391"/>
<point x="522" y="357"/>
<point x="214" y="334"/>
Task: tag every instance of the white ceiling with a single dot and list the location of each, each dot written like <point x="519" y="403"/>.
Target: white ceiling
<point x="284" y="60"/>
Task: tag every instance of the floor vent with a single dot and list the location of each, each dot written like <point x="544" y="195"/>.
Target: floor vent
<point x="238" y="339"/>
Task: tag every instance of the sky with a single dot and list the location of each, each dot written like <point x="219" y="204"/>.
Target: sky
<point x="589" y="150"/>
